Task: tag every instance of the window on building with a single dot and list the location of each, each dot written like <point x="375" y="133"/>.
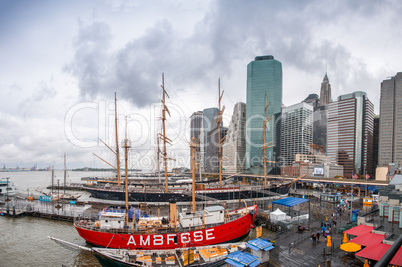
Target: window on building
<point x="386" y="211"/>
<point x="395" y="217"/>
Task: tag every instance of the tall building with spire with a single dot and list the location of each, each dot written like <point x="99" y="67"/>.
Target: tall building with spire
<point x="264" y="76"/>
<point x="325" y="92"/>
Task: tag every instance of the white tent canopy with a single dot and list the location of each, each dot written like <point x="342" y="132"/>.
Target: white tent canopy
<point x="277" y="215"/>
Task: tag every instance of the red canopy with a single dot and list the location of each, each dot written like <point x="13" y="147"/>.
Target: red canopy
<point x="368" y="239"/>
<point x="397" y="259"/>
<point x="374" y="252"/>
<point x="359" y="230"/>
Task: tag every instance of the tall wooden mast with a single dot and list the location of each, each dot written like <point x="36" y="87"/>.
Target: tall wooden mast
<point x="126" y="145"/>
<point x="221" y="110"/>
<point x="193" y="146"/>
<point x="117" y="141"/>
<point x="164" y="138"/>
<point x="266" y="145"/>
<point x="158" y="159"/>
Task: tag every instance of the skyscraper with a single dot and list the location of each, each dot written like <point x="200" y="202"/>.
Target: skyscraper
<point x="376" y="134"/>
<point x="212" y="158"/>
<point x="296" y="131"/>
<point x="325" y="92"/>
<point x="390" y="140"/>
<point x="264" y="76"/>
<point x="196" y="125"/>
<point x="210" y="121"/>
<point x="321" y="114"/>
<point x="350" y="133"/>
<point x="234" y="147"/>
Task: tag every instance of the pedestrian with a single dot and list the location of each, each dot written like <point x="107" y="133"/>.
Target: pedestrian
<point x="323" y="230"/>
<point x="318" y="237"/>
<point x="314" y="238"/>
<point x="334" y="224"/>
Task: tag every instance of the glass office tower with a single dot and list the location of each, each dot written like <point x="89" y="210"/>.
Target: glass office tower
<point x="264" y="75"/>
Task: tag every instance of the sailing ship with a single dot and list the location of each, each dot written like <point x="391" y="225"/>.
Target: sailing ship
<point x="181" y="191"/>
<point x="186" y="256"/>
<point x="55" y="196"/>
<point x="212" y="225"/>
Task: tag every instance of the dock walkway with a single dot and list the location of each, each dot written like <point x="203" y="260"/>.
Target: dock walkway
<point x="295" y="248"/>
<point x="51" y="210"/>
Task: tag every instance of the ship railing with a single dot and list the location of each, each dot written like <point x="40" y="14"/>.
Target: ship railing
<point x="89" y="225"/>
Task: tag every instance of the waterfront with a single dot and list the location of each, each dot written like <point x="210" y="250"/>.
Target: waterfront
<point x="34" y="182"/>
<point x="24" y="239"/>
<point x="24" y="242"/>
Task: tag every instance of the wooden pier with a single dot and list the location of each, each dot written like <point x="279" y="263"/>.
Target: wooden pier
<point x="17" y="207"/>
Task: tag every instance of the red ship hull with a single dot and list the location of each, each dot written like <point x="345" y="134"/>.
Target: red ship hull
<point x="224" y="233"/>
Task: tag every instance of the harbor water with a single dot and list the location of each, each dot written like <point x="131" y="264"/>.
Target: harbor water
<point x="23" y="240"/>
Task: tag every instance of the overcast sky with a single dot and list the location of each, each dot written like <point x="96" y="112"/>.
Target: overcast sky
<point x="62" y="61"/>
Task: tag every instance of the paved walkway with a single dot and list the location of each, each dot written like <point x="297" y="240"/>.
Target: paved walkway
<point x="305" y="253"/>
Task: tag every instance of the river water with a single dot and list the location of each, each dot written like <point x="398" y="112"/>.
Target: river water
<point x="23" y="240"/>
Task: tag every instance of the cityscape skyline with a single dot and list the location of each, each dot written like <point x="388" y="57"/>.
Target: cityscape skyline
<point x="199" y="121"/>
<point x="62" y="63"/>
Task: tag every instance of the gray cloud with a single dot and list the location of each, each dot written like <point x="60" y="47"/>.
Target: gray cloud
<point x="29" y="107"/>
<point x="230" y="31"/>
<point x="306" y="36"/>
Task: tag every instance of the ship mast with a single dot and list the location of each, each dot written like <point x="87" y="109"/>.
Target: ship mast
<point x="193" y="146"/>
<point x="126" y="145"/>
<point x="158" y="159"/>
<point x="219" y="133"/>
<point x="117" y="147"/>
<point x="266" y="145"/>
<point x="117" y="141"/>
<point x="164" y="138"/>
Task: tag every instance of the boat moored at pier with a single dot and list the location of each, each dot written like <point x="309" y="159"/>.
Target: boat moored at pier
<point x="7" y="187"/>
<point x="213" y="225"/>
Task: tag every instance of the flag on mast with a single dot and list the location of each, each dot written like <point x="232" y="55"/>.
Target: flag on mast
<point x="355" y="176"/>
<point x="367" y="176"/>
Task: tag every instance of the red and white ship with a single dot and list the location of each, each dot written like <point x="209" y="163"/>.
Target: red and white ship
<point x="212" y="226"/>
